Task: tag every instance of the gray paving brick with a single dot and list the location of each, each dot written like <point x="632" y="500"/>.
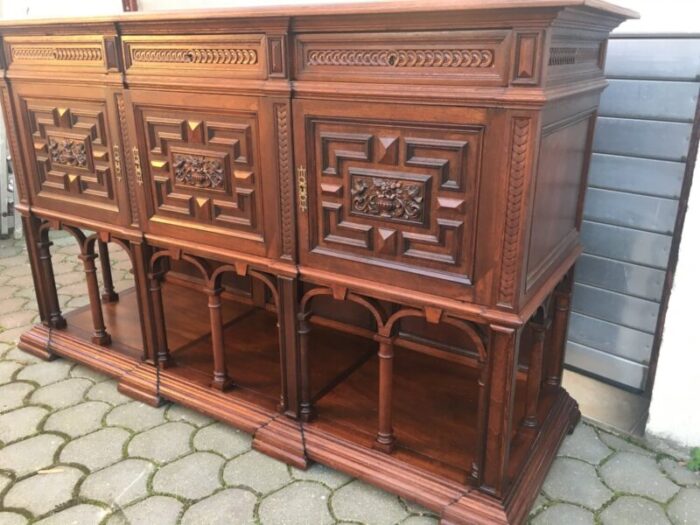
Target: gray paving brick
<point x="20" y="423"/>
<point x="96" y="450"/>
<point x="16" y="318"/>
<point x="166" y="508"/>
<point x="632" y="510"/>
<point x="55" y="487"/>
<point x="358" y="501"/>
<point x="180" y="413"/>
<point x="87" y="373"/>
<point x="192" y="477"/>
<point x="585" y="445"/>
<point x="574" y="481"/>
<point x="257" y="471"/>
<point x="12" y="518"/>
<point x="420" y="520"/>
<point x="8" y="369"/>
<point x="222" y="439"/>
<point x="46" y="372"/>
<point x="119" y="484"/>
<point x="83" y="514"/>
<point x="622" y="445"/>
<point x="679" y="473"/>
<point x="61" y="394"/>
<point x="30" y="455"/>
<point x="136" y="416"/>
<point x="634" y="474"/>
<point x="12" y="395"/>
<point x="19" y="356"/>
<point x="162" y="443"/>
<point x="12" y="335"/>
<point x="321" y="473"/>
<point x="78" y="420"/>
<point x="685" y="507"/>
<point x="561" y="513"/>
<point x="540" y="502"/>
<point x="107" y="391"/>
<point x="300" y="503"/>
<point x="228" y="507"/>
<point x="4" y="482"/>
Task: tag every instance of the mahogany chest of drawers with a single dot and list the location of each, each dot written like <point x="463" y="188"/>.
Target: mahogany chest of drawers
<point x="351" y="228"/>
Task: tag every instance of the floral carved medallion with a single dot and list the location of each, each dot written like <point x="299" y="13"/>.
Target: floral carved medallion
<point x="198" y="171"/>
<point x="68" y="152"/>
<point x="388" y="198"/>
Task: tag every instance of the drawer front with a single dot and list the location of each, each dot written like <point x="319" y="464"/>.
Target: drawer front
<point x="70" y="138"/>
<point x="227" y="56"/>
<point x="390" y="192"/>
<point x="474" y="57"/>
<point x="199" y="171"/>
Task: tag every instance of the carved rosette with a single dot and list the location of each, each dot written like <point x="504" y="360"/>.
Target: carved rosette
<point x="402" y="58"/>
<point x="198" y="171"/>
<point x="392" y="199"/>
<point x="68" y="152"/>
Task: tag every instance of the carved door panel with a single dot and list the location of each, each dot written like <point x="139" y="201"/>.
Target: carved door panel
<point x="391" y="192"/>
<point x="200" y="174"/>
<point x="70" y="139"/>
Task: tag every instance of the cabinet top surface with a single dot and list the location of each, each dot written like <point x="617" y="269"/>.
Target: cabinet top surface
<point x="349" y="8"/>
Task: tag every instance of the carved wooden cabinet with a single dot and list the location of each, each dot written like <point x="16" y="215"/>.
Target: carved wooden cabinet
<point x="351" y="229"/>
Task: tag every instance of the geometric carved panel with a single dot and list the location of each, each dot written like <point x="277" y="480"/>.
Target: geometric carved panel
<point x="71" y="148"/>
<point x="396" y="192"/>
<point x="203" y="167"/>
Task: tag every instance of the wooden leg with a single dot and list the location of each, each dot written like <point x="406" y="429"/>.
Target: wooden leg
<point x="221" y="380"/>
<point x="100" y="335"/>
<point x="385" y="434"/>
<point x="482" y="415"/>
<point x="534" y="376"/>
<point x="503" y="363"/>
<point x="108" y="295"/>
<point x="30" y="225"/>
<point x="306" y="411"/>
<point x="54" y="318"/>
<point x="288" y="290"/>
<point x="560" y="323"/>
<point x="162" y="352"/>
<point x="140" y="254"/>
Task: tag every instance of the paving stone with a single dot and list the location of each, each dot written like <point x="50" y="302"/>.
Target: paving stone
<point x="564" y="513"/>
<point x="358" y="501"/>
<point x="631" y="510"/>
<point x="136" y="416"/>
<point x="685" y="508"/>
<point x="16" y="318"/>
<point x="62" y="394"/>
<point x="576" y="482"/>
<point x="228" y="507"/>
<point x="119" y="484"/>
<point x="87" y="373"/>
<point x="46" y="372"/>
<point x="76" y="302"/>
<point x="96" y="450"/>
<point x="30" y="455"/>
<point x="107" y="392"/>
<point x="634" y="474"/>
<point x="584" y="444"/>
<point x="300" y="503"/>
<point x="7" y="370"/>
<point x="11" y="518"/>
<point x="322" y="474"/>
<point x="12" y="335"/>
<point x="8" y="291"/>
<point x="12" y="395"/>
<point x="20" y="423"/>
<point x="192" y="477"/>
<point x="69" y="278"/>
<point x="180" y="413"/>
<point x="540" y="502"/>
<point x="223" y="439"/>
<point x="15" y="354"/>
<point x="257" y="471"/>
<point x="78" y="420"/>
<point x="622" y="445"/>
<point x="55" y="487"/>
<point x="15" y="260"/>
<point x="4" y="482"/>
<point x="78" y="289"/>
<point x="679" y="473"/>
<point x="163" y="443"/>
<point x="83" y="514"/>
<point x="166" y="508"/>
<point x="413" y="507"/>
<point x="420" y="520"/>
<point x="16" y="304"/>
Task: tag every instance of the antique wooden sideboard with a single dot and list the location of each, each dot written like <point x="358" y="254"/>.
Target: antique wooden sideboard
<point x="351" y="228"/>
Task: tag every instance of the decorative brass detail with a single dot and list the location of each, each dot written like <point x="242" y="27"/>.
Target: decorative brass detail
<point x="388" y="198"/>
<point x="137" y="166"/>
<point x="117" y="163"/>
<point x="402" y="58"/>
<point x="68" y="152"/>
<point x="227" y="56"/>
<point x="80" y="54"/>
<point x="198" y="171"/>
<point x="302" y="189"/>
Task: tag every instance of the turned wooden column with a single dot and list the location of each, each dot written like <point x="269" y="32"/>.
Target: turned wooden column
<point x="481" y="422"/>
<point x="30" y="227"/>
<point x="560" y="323"/>
<point x="108" y="294"/>
<point x="534" y="374"/>
<point x="162" y="352"/>
<point x="385" y="439"/>
<point x="100" y="335"/>
<point x="221" y="380"/>
<point x="288" y="289"/>
<point x="306" y="410"/>
<point x="54" y="318"/>
<point x="140" y="256"/>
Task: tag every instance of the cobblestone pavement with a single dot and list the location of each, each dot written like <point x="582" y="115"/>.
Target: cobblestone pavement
<point x="75" y="451"/>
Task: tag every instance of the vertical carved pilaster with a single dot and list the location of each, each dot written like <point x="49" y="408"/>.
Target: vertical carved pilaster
<point x="130" y="181"/>
<point x="286" y="186"/>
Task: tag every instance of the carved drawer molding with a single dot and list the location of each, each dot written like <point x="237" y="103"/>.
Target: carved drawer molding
<point x="80" y="53"/>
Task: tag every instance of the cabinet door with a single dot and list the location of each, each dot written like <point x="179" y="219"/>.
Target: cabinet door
<point x="391" y="192"/>
<point x="201" y="176"/>
<point x="70" y="139"/>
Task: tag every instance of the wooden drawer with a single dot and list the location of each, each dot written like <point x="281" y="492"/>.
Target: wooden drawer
<point x="474" y="57"/>
<point x="219" y="56"/>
